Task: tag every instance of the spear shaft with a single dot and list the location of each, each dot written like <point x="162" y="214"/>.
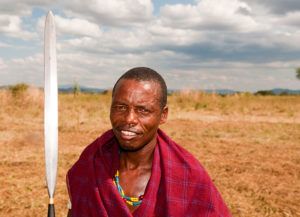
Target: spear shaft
<point x="50" y="109"/>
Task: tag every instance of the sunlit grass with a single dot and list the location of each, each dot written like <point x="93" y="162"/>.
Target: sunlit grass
<point x="249" y="145"/>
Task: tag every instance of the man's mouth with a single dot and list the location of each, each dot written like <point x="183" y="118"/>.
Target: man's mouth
<point x="128" y="135"/>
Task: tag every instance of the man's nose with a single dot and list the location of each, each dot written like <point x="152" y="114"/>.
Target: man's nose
<point x="131" y="117"/>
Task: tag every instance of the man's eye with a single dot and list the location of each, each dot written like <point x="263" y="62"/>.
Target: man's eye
<point x="120" y="108"/>
<point x="143" y="110"/>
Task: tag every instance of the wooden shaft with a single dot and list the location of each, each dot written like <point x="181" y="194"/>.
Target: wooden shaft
<point x="51" y="210"/>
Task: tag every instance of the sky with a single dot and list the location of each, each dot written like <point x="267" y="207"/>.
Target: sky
<point x="244" y="45"/>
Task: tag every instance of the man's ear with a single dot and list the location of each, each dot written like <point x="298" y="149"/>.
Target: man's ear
<point x="164" y="115"/>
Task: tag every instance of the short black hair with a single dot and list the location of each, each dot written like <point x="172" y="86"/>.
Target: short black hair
<point x="146" y="74"/>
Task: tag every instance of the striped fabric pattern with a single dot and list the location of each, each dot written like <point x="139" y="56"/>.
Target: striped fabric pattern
<point x="179" y="186"/>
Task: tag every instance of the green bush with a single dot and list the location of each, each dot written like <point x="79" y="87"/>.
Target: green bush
<point x="18" y="89"/>
<point x="264" y="93"/>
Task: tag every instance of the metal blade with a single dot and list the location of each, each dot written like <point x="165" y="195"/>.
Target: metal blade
<point x="51" y="105"/>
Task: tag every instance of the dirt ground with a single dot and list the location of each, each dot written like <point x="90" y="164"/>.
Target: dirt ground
<point x="250" y="146"/>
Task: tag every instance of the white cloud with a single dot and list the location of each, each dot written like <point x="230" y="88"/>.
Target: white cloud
<point x="113" y="12"/>
<point x="161" y="34"/>
<point x="29" y="69"/>
<point x="292" y="19"/>
<point x="11" y="25"/>
<point x="2" y="64"/>
<point x="278" y="7"/>
<point x="217" y="15"/>
<point x="4" y="45"/>
<point x="21" y="8"/>
<point x="112" y="41"/>
<point x="72" y="26"/>
<point x="77" y="27"/>
<point x="208" y="44"/>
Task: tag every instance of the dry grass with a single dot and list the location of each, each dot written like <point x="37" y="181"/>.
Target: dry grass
<point x="249" y="145"/>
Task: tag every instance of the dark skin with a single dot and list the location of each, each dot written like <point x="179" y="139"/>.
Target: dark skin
<point x="135" y="116"/>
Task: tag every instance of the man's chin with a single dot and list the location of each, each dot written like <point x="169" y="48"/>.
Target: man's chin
<point x="126" y="148"/>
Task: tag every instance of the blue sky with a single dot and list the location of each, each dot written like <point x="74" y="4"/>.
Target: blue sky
<point x="245" y="45"/>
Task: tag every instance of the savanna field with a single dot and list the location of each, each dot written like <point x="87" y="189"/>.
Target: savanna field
<point x="249" y="144"/>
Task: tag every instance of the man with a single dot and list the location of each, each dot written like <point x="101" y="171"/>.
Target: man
<point x="135" y="169"/>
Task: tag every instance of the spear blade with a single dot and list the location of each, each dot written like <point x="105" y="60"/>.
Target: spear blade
<point x="50" y="108"/>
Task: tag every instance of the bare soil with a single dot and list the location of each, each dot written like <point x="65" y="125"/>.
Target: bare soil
<point x="249" y="145"/>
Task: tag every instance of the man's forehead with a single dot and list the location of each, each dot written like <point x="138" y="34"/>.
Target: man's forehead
<point x="135" y="88"/>
<point x="141" y="84"/>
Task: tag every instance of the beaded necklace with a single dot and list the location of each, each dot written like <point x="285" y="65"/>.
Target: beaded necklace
<point x="133" y="201"/>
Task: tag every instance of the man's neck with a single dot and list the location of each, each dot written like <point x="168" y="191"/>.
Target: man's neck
<point x="141" y="159"/>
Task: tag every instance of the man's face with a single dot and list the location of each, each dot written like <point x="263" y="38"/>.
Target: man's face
<point x="135" y="113"/>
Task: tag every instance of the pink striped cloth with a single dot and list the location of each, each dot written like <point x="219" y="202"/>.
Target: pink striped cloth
<point x="178" y="186"/>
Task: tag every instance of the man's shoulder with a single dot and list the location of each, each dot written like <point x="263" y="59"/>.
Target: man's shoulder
<point x="105" y="138"/>
<point x="183" y="172"/>
<point x="89" y="152"/>
<point x="178" y="156"/>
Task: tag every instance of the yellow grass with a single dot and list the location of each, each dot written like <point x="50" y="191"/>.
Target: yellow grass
<point x="250" y="145"/>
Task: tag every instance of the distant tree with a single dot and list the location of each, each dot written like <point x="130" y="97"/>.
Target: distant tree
<point x="264" y="93"/>
<point x="18" y="89"/>
<point x="298" y="72"/>
<point x="76" y="89"/>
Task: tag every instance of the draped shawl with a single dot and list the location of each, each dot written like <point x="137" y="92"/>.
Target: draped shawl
<point x="178" y="187"/>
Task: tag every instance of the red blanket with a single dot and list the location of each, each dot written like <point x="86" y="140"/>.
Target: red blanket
<point x="178" y="186"/>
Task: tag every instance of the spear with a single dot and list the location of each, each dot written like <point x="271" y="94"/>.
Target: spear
<point x="50" y="109"/>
